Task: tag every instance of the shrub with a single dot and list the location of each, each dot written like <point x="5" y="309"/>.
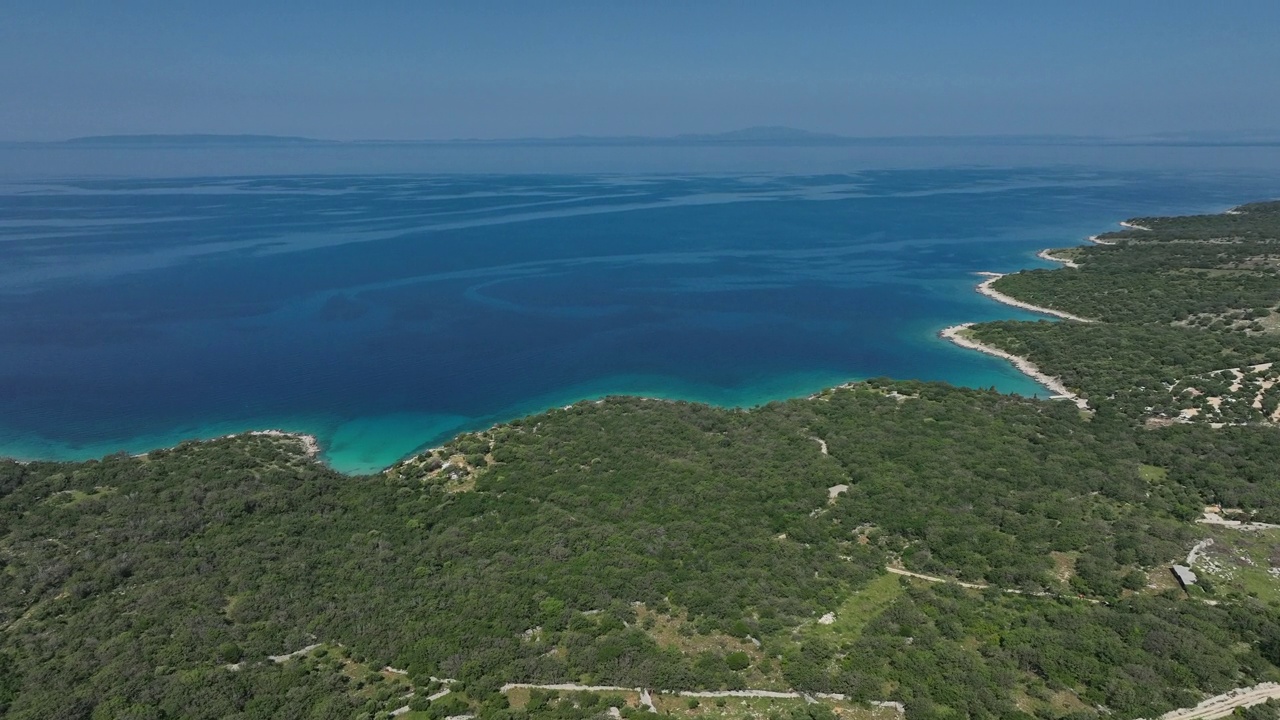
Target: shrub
<point x="230" y="652"/>
<point x="737" y="660"/>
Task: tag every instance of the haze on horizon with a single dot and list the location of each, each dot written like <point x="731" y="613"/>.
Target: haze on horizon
<point x="403" y="70"/>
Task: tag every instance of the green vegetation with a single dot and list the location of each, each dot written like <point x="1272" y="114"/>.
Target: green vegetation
<point x="1188" y="313"/>
<point x="1152" y="473"/>
<point x="859" y="609"/>
<point x="1242" y="562"/>
<point x="1270" y="710"/>
<point x="240" y="548"/>
<point x="667" y="545"/>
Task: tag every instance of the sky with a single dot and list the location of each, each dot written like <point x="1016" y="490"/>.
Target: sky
<point x="395" y="69"/>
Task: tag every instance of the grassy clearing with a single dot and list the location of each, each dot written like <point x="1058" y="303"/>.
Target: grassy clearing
<point x="1160" y="579"/>
<point x="1152" y="473"/>
<point x="518" y="697"/>
<point x="1048" y="703"/>
<point x="70" y="498"/>
<point x="855" y="612"/>
<point x="1064" y="565"/>
<point x="1242" y="561"/>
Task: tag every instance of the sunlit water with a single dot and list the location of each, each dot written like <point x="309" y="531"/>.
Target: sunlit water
<point x="384" y="313"/>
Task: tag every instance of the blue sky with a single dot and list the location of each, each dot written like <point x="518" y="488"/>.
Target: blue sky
<point x="408" y="70"/>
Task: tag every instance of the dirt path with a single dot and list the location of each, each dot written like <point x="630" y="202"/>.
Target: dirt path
<point x="933" y="578"/>
<point x="1222" y="705"/>
<point x="1212" y="708"/>
<point x="1215" y="707"/>
<point x="1216" y="519"/>
<point x="646" y="698"/>
<point x="568" y="687"/>
<point x="980" y="586"/>
<point x="405" y="708"/>
<point x="294" y="654"/>
<point x="1195" y="551"/>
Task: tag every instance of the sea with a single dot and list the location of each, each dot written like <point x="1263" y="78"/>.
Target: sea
<point x="385" y="299"/>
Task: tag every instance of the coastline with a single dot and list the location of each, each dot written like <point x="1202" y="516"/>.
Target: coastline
<point x="955" y="334"/>
<point x="310" y="445"/>
<point x="1047" y="254"/>
<point x="312" y="449"/>
<point x="985" y="288"/>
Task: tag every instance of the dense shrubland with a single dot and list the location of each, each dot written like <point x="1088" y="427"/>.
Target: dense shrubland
<point x="132" y="581"/>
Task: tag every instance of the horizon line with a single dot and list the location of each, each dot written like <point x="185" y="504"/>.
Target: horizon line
<point x="773" y="134"/>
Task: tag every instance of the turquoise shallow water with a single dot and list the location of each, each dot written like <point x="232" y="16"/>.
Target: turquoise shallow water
<point x="384" y="313"/>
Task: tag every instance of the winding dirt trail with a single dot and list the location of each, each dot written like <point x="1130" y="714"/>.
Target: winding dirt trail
<point x="1195" y="551"/>
<point x="980" y="586"/>
<point x="1212" y="708"/>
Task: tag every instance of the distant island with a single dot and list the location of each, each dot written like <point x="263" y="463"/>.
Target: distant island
<point x="880" y="549"/>
<point x="161" y="140"/>
<point x="763" y="136"/>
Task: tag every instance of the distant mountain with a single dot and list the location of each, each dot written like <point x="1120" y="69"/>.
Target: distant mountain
<point x="763" y="135"/>
<point x="193" y="140"/>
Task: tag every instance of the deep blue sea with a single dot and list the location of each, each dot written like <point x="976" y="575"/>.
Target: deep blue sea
<point x="385" y="311"/>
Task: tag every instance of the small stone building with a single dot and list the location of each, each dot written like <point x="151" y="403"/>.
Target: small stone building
<point x="1186" y="578"/>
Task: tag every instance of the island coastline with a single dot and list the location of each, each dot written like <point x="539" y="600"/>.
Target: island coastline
<point x="958" y="334"/>
<point x="985" y="288"/>
<point x="310" y="443"/>
<point x="1047" y="254"/>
